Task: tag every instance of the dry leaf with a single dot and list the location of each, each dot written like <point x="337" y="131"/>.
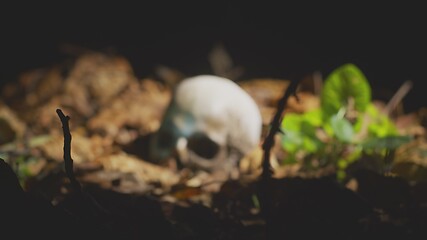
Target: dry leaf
<point x="142" y="170"/>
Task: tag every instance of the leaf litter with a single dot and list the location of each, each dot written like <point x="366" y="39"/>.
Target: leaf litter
<point x="112" y="116"/>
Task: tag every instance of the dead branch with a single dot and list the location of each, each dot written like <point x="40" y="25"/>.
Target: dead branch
<point x="397" y="97"/>
<point x="67" y="151"/>
<point x="318" y="83"/>
<point x="265" y="184"/>
<point x="92" y="204"/>
<point x="275" y="127"/>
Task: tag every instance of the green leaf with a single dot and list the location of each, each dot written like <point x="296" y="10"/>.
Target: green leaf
<point x="311" y="145"/>
<point x="342" y="84"/>
<point x="300" y="133"/>
<point x="291" y="126"/>
<point x="292" y="141"/>
<point x="343" y="129"/>
<point x="372" y="111"/>
<point x="313" y="117"/>
<point x="307" y="129"/>
<point x="389" y="142"/>
<point x="292" y="121"/>
<point x="382" y="127"/>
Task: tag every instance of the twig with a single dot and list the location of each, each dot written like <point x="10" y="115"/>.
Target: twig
<point x="265" y="183"/>
<point x="275" y="127"/>
<point x="67" y="151"/>
<point x="397" y="97"/>
<point x="318" y="83"/>
<point x="68" y="161"/>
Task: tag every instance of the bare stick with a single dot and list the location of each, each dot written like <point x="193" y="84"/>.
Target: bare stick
<point x="397" y="97"/>
<point x="87" y="199"/>
<point x="265" y="189"/>
<point x="268" y="144"/>
<point x="318" y="83"/>
<point x="67" y="151"/>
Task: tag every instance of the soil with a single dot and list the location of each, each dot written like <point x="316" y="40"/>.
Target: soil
<point x="125" y="196"/>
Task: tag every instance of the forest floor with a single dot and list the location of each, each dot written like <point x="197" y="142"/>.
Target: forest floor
<point x="124" y="196"/>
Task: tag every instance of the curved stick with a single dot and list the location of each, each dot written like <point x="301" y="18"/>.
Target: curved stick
<point x="67" y="151"/>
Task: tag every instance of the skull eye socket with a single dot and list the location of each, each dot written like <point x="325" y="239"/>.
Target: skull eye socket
<point x="203" y="146"/>
<point x="165" y="139"/>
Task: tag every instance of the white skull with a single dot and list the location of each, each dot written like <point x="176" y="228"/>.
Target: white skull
<point x="211" y="123"/>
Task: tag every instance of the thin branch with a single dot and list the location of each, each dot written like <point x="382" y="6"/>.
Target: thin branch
<point x="265" y="184"/>
<point x="68" y="161"/>
<point x="67" y="151"/>
<point x="318" y="83"/>
<point x="397" y="97"/>
<point x="275" y="127"/>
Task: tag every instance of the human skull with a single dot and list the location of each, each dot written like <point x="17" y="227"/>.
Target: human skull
<point x="211" y="123"/>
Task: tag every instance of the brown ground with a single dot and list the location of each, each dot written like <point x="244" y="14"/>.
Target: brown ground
<point x="113" y="114"/>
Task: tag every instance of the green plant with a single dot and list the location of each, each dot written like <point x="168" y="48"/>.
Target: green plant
<point x="346" y="126"/>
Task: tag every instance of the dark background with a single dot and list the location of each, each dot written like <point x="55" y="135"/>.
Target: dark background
<point x="282" y="41"/>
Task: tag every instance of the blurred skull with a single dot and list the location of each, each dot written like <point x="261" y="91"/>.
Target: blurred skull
<point x="211" y="123"/>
